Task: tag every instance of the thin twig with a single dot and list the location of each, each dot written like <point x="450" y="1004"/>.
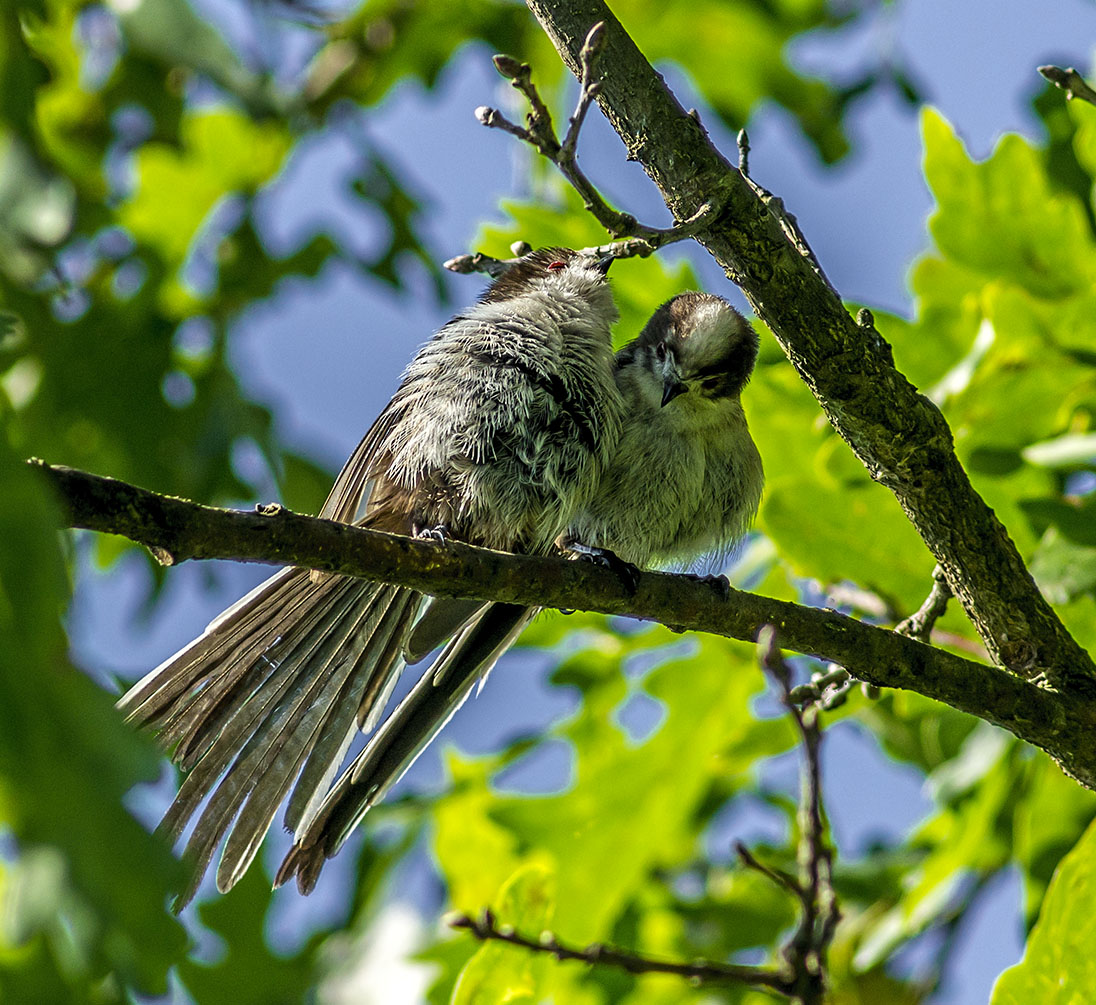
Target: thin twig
<point x="494" y="119"/>
<point x="829" y="688"/>
<point x="540" y="133"/>
<point x="1070" y="81"/>
<point x="466" y="264"/>
<point x="806" y="951"/>
<point x="486" y="928"/>
<point x="920" y="624"/>
<point x="778" y="876"/>
<point x="592" y="49"/>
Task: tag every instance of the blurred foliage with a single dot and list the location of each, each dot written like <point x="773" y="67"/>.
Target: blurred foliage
<point x="135" y="144"/>
<point x="64" y="768"/>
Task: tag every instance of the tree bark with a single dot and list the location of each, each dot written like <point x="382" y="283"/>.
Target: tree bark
<point x="176" y="530"/>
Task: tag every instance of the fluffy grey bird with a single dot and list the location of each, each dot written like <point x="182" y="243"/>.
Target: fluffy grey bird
<point x="496" y="436"/>
<point x="684" y="480"/>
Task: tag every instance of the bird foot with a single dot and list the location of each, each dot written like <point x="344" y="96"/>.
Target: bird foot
<point x="627" y="573"/>
<point x="720" y="583"/>
<point x="440" y="533"/>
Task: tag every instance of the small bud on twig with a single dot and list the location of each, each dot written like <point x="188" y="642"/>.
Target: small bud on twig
<point x="595" y="41"/>
<point x="509" y="67"/>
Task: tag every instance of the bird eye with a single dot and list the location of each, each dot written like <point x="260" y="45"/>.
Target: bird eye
<point x="660" y="352"/>
<point x="556" y="266"/>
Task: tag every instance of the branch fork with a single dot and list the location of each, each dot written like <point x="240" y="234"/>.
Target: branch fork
<point x="540" y="133"/>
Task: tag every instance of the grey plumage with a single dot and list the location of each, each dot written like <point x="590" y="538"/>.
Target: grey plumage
<point x="495" y="437"/>
<point x="684" y="480"/>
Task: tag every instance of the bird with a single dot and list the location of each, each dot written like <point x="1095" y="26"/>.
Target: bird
<point x="495" y="436"/>
<point x="684" y="480"/>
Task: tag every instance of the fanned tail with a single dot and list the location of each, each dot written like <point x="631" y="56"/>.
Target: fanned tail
<point x="466" y="660"/>
<point x="272" y="692"/>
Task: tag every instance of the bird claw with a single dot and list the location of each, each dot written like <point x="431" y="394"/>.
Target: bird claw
<point x="720" y="583"/>
<point x="626" y="572"/>
<point x="440" y="533"/>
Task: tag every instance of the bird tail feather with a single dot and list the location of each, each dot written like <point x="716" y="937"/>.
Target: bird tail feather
<point x="466" y="660"/>
<point x="273" y="691"/>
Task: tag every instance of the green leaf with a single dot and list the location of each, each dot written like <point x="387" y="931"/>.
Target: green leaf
<point x="169" y="31"/>
<point x="66" y="761"/>
<point x="1083" y="116"/>
<point x="387" y="41"/>
<point x="828" y="519"/>
<point x="1069" y="451"/>
<point x="1003" y="218"/>
<point x="1058" y="967"/>
<point x="1063" y="569"/>
<point x="1050" y="819"/>
<point x="36" y="210"/>
<point x="249" y="972"/>
<point x="501" y="973"/>
<point x="969" y="836"/>
<point x="71" y="122"/>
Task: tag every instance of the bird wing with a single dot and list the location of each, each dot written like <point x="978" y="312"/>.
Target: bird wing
<point x="270" y="696"/>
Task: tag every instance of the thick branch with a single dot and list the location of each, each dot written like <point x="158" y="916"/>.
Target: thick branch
<point x="176" y="530"/>
<point x="898" y="434"/>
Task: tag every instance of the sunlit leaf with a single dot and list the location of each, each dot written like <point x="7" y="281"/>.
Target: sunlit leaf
<point x="1057" y="965"/>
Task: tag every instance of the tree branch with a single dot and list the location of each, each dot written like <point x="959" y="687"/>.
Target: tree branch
<point x="898" y="434"/>
<point x="540" y="133"/>
<point x="486" y="928"/>
<point x="807" y="949"/>
<point x="176" y="530"/>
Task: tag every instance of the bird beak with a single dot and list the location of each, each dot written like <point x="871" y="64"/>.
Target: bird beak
<point x="672" y="386"/>
<point x="604" y="262"/>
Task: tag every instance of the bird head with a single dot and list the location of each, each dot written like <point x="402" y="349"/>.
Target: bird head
<point x="695" y="343"/>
